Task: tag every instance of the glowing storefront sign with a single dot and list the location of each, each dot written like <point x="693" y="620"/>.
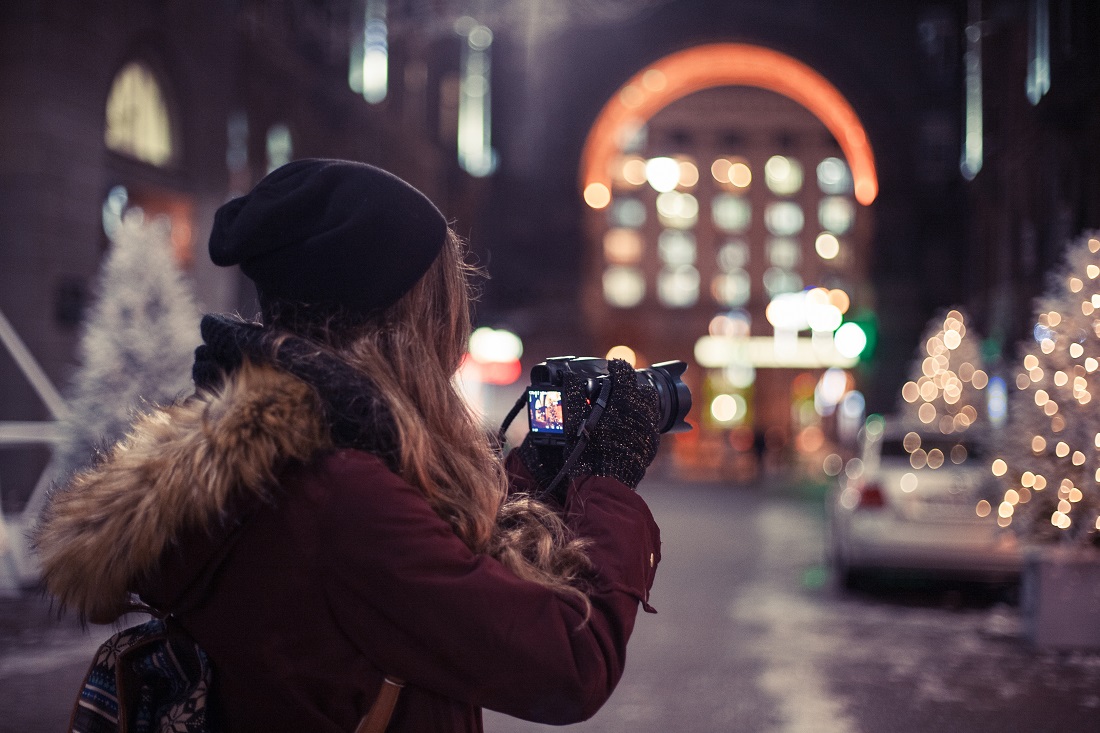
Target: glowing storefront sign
<point x="714" y="352"/>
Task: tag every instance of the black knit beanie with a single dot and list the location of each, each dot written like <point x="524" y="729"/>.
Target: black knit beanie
<point x="330" y="232"/>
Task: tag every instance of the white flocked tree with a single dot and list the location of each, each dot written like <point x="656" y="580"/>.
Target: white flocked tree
<point x="138" y="337"/>
<point x="1049" y="462"/>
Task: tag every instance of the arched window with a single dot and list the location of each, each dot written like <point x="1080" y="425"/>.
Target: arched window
<point x="137" y="116"/>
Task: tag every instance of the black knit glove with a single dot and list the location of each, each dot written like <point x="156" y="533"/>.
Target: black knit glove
<point x="623" y="442"/>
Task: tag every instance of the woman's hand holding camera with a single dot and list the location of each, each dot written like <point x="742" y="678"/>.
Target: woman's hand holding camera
<point x="623" y="442"/>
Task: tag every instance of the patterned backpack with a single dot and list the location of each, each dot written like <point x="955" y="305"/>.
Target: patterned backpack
<point x="146" y="679"/>
<point x="154" y="678"/>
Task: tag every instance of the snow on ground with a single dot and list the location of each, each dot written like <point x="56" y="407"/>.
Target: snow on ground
<point x="825" y="655"/>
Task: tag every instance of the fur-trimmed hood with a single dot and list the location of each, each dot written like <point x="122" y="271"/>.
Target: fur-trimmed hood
<point x="181" y="468"/>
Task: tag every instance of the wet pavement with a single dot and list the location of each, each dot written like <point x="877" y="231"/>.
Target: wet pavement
<point x="42" y="662"/>
<point x="751" y="635"/>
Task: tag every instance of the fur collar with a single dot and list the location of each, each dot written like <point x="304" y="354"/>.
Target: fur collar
<point x="180" y="468"/>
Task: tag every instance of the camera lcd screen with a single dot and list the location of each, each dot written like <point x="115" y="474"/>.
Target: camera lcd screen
<point x="544" y="411"/>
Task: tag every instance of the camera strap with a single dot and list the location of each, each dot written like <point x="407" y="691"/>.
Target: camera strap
<point x="520" y="404"/>
<point x="584" y="431"/>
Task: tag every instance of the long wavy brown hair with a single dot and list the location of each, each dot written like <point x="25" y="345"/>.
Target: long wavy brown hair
<point x="412" y="351"/>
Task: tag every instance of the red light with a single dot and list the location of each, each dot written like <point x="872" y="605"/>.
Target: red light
<point x="501" y="372"/>
<point x="871" y="497"/>
<point x="490" y="372"/>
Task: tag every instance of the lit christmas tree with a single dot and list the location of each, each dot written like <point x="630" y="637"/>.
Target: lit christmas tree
<point x="138" y="339"/>
<point x="1050" y="460"/>
<point x="945" y="392"/>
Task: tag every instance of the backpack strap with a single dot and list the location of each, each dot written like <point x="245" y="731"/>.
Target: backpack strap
<point x="378" y="717"/>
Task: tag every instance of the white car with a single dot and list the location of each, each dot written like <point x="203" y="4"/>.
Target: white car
<point x="908" y="503"/>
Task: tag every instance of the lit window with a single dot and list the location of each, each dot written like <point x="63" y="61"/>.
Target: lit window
<point x="778" y="281"/>
<point x="740" y="175"/>
<point x="733" y="255"/>
<point x="368" y="72"/>
<point x="784" y="252"/>
<point x="663" y="174"/>
<point x="1038" y="51"/>
<point x="622" y="246"/>
<point x="733" y="171"/>
<point x="475" y="154"/>
<point x="280" y="147"/>
<point x="783" y="218"/>
<point x="833" y="176"/>
<point x="827" y="245"/>
<point x="679" y="287"/>
<point x="731" y="213"/>
<point x="676" y="247"/>
<point x="783" y="175"/>
<point x="675" y="209"/>
<point x="137" y="117"/>
<point x="627" y="212"/>
<point x="689" y="172"/>
<point x="836" y="214"/>
<point x="623" y="287"/>
<point x="631" y="171"/>
<point x="732" y="288"/>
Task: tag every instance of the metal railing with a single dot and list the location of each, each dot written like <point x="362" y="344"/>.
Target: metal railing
<point x="18" y="568"/>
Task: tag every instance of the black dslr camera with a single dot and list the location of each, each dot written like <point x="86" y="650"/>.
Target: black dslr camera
<point x="546" y="408"/>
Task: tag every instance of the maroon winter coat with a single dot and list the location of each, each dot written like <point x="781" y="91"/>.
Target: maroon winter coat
<point x="341" y="574"/>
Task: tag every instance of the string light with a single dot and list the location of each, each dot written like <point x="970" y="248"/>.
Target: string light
<point x="1051" y="414"/>
<point x="946" y="383"/>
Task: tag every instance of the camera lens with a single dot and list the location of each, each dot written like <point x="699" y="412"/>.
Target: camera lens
<point x="674" y="397"/>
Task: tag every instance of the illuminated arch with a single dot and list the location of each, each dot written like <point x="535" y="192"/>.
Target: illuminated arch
<point x="714" y="65"/>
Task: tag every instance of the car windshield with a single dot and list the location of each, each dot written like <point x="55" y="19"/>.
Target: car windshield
<point x="956" y="450"/>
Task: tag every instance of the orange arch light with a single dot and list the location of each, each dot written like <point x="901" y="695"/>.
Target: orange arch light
<point x="714" y="65"/>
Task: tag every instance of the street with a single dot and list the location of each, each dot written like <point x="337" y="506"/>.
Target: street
<point x="750" y="635"/>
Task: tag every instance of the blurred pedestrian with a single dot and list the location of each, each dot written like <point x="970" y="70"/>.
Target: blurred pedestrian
<point x="325" y="511"/>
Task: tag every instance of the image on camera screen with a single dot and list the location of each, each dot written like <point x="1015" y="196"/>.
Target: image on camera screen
<point x="544" y="411"/>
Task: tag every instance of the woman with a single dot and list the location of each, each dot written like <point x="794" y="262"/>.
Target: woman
<point x="324" y="511"/>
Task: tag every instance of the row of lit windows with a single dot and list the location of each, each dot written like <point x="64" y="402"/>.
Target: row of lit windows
<point x="677" y="247"/>
<point x="783" y="175"/>
<point x="835" y="214"/>
<point x="678" y="286"/>
<point x="678" y="283"/>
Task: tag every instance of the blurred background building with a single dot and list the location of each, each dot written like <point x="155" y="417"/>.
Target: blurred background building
<point x="779" y="193"/>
